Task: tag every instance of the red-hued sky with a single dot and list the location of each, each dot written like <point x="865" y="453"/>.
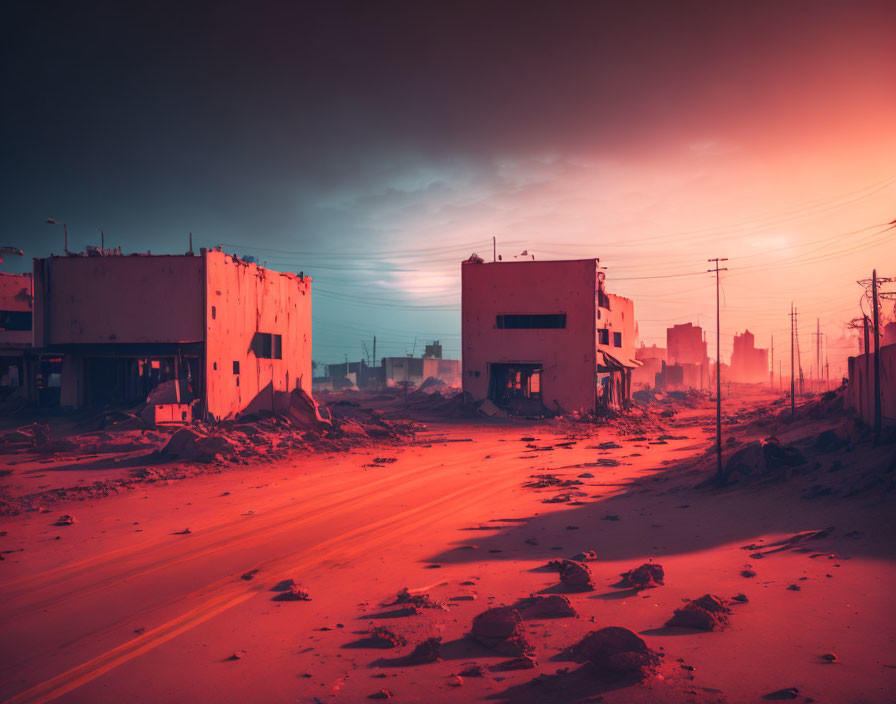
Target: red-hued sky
<point x="376" y="145"/>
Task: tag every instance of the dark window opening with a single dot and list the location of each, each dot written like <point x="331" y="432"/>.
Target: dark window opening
<point x="603" y="336"/>
<point x="549" y="321"/>
<point x="268" y="345"/>
<point x="603" y="300"/>
<point x="236" y="367"/>
<point x="17" y="320"/>
<point x="509" y="382"/>
<point x="617" y="339"/>
<point x="215" y="366"/>
<point x="214" y="312"/>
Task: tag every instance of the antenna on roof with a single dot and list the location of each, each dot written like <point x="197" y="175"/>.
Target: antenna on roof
<point x="190" y="251"/>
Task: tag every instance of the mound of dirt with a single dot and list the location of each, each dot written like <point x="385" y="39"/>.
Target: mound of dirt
<point x="616" y="649"/>
<point x="188" y="444"/>
<point x="708" y="613"/>
<point x="576" y="576"/>
<point x="643" y="577"/>
<point x="551" y="606"/>
<point x="500" y="628"/>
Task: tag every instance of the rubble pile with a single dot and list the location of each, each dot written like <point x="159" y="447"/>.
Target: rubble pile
<point x="616" y="650"/>
<point x="500" y="628"/>
<point x="708" y="613"/>
<point x="644" y="577"/>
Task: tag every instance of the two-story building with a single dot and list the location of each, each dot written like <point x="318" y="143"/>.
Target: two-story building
<point x="545" y="333"/>
<point x="226" y="335"/>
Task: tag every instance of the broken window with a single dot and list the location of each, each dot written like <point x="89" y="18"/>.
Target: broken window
<point x="236" y="366"/>
<point x="268" y="345"/>
<point x="617" y="339"/>
<point x="532" y="321"/>
<point x="515" y="381"/>
<point x="15" y="320"/>
<point x="603" y="336"/>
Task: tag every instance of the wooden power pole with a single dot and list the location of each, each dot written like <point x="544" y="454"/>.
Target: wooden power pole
<point x="792" y="371"/>
<point x="718" y="369"/>
<point x="877" y="401"/>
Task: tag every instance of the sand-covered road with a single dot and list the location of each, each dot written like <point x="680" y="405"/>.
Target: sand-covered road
<point x="166" y="592"/>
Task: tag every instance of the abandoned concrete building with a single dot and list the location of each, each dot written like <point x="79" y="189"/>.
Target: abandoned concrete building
<point x="16" y="361"/>
<point x="687" y="363"/>
<point x="545" y="334"/>
<point x="749" y="364"/>
<point x="226" y="335"/>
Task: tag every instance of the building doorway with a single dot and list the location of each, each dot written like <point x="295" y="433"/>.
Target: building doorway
<point x="511" y="384"/>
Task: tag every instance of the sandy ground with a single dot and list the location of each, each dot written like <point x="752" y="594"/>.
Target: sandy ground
<point x="124" y="605"/>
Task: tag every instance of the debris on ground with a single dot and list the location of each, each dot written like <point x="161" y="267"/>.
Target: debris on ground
<point x="293" y="593"/>
<point x="65" y="520"/>
<point x="615" y="649"/>
<point x="644" y="577"/>
<point x="524" y="662"/>
<point x="383" y="637"/>
<point x="576" y="576"/>
<point x="550" y="606"/>
<point x="425" y="652"/>
<point x="500" y="628"/>
<point x="782" y="694"/>
<point x="708" y="613"/>
<point x="474" y="670"/>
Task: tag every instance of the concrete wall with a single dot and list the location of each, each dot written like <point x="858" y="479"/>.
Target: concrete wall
<point x="532" y="287"/>
<point x="131" y="299"/>
<point x="860" y="389"/>
<point x="247" y="300"/>
<point x="15" y="295"/>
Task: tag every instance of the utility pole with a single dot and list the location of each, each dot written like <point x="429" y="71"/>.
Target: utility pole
<point x="818" y="347"/>
<point x="718" y="369"/>
<point x="877" y="403"/>
<point x="772" y="384"/>
<point x="792" y="369"/>
<point x="494" y="249"/>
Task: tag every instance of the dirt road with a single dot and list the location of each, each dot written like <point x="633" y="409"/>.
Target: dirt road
<point x="165" y="593"/>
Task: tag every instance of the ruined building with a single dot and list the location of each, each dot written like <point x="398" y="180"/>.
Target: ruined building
<point x="545" y="333"/>
<point x="652" y="360"/>
<point x="16" y="362"/>
<point x="687" y="364"/>
<point x="749" y="365"/>
<point x="208" y="335"/>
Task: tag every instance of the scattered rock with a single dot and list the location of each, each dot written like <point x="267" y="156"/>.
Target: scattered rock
<point x="65" y="520"/>
<point x="551" y="606"/>
<point x="500" y="628"/>
<point x="455" y="681"/>
<point x="425" y="652"/>
<point x="249" y="575"/>
<point x="609" y="445"/>
<point x="382" y="694"/>
<point x="794" y="587"/>
<point x="382" y="637"/>
<point x="789" y="693"/>
<point x="610" y="517"/>
<point x="747" y="573"/>
<point x="420" y="600"/>
<point x="708" y="613"/>
<point x="293" y="593"/>
<point x="524" y="662"/>
<point x="586" y="475"/>
<point x="576" y="575"/>
<point x="829" y="657"/>
<point x="474" y="670"/>
<point x="644" y="577"/>
<point x="585" y="556"/>
<point x="742" y="598"/>
<point x="615" y="649"/>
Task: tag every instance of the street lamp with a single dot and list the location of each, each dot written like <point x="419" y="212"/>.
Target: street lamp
<point x="51" y="221"/>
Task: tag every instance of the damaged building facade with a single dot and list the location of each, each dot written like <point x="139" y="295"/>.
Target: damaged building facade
<point x="545" y="334"/>
<point x="16" y="361"/>
<point x="749" y="364"/>
<point x="205" y="335"/>
<point x="687" y="362"/>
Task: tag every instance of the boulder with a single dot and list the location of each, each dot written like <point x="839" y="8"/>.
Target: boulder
<point x="576" y="576"/>
<point x="643" y="577"/>
<point x="708" y="613"/>
<point x="617" y="650"/>
<point x="500" y="628"/>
